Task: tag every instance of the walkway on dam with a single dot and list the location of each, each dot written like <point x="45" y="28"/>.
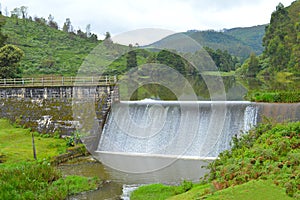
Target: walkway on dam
<point x="58" y="81"/>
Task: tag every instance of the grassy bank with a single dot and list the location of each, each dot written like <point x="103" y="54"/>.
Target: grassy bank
<point x="16" y="144"/>
<point x="274" y="97"/>
<point x="263" y="164"/>
<point x="22" y="177"/>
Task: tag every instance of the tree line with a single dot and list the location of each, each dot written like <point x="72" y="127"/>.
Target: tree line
<point x="22" y="13"/>
<point x="281" y="42"/>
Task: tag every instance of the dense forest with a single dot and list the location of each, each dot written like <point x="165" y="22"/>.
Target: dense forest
<point x="281" y="42"/>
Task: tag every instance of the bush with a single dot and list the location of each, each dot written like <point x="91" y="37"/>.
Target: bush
<point x="269" y="151"/>
<point x="274" y="97"/>
<point x="40" y="181"/>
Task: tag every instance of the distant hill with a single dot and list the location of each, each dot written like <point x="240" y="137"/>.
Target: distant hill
<point x="239" y="42"/>
<point x="51" y="51"/>
<point x="47" y="50"/>
<point x="251" y="36"/>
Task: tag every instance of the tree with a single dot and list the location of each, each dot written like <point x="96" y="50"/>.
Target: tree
<point x="107" y="40"/>
<point x="2" y="36"/>
<point x="93" y="38"/>
<point x="107" y="36"/>
<point x="51" y="22"/>
<point x="24" y="11"/>
<point x="222" y="59"/>
<point x="40" y="20"/>
<point x="15" y="13"/>
<point x="172" y="60"/>
<point x="67" y="26"/>
<point x="81" y="33"/>
<point x="131" y="60"/>
<point x="10" y="56"/>
<point x="253" y="65"/>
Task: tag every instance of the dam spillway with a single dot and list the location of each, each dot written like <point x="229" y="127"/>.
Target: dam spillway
<point x="171" y="128"/>
<point x="156" y="136"/>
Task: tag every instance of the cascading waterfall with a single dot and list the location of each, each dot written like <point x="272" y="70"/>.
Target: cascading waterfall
<point x="184" y="129"/>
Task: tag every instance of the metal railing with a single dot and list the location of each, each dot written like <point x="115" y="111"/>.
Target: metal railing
<point x="58" y="81"/>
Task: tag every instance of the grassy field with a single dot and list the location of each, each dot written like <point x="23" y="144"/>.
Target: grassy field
<point x="249" y="191"/>
<point x="16" y="144"/>
<point x="21" y="177"/>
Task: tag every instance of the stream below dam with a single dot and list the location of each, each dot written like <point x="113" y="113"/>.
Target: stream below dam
<point x="119" y="184"/>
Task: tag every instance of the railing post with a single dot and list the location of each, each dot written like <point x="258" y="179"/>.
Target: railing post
<point x="92" y="80"/>
<point x="115" y="79"/>
<point x="4" y="81"/>
<point x="62" y="80"/>
<point x="42" y="81"/>
<point x="23" y="81"/>
<point x="106" y="80"/>
<point x="71" y="80"/>
<point x="32" y="81"/>
<point x="14" y="81"/>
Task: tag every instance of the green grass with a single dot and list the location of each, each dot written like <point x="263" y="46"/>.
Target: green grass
<point x="16" y="144"/>
<point x="268" y="152"/>
<point x="23" y="178"/>
<point x="263" y="164"/>
<point x="32" y="180"/>
<point x="252" y="190"/>
<point x="152" y="192"/>
<point x="159" y="191"/>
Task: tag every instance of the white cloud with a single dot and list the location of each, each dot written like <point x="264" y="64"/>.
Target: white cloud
<point x="118" y="16"/>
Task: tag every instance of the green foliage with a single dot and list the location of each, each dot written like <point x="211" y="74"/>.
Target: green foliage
<point x="160" y="191"/>
<point x="40" y="181"/>
<point x="268" y="152"/>
<point x="251" y="66"/>
<point x="131" y="61"/>
<point x="22" y="179"/>
<point x="74" y="140"/>
<point x="10" y="56"/>
<point x="247" y="191"/>
<point x="223" y="60"/>
<point x="281" y="40"/>
<point x="3" y="37"/>
<point x="11" y="136"/>
<point x="171" y="60"/>
<point x="251" y="36"/>
<point x="223" y="41"/>
<point x="47" y="50"/>
<point x="274" y="97"/>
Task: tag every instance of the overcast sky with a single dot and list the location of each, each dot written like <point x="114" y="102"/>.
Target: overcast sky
<point x="117" y="16"/>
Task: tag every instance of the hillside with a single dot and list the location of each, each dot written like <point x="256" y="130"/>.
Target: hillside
<point x="239" y="42"/>
<point x="47" y="50"/>
<point x="281" y="41"/>
<point x="281" y="56"/>
<point x="252" y="36"/>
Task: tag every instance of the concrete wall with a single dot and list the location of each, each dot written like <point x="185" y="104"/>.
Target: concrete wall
<point x="50" y="109"/>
